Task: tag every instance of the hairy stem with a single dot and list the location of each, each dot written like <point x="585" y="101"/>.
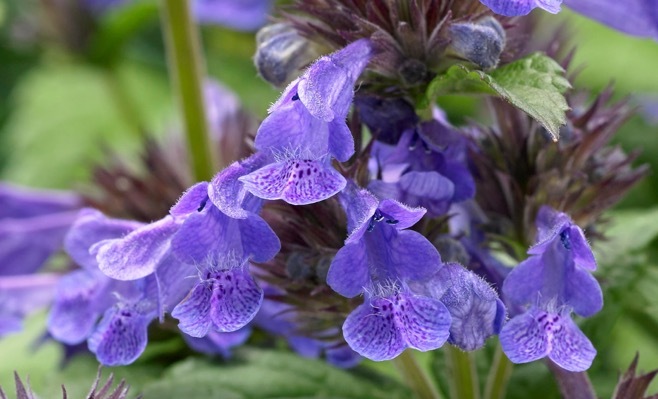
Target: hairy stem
<point x="187" y="70"/>
<point x="499" y="374"/>
<point x="464" y="379"/>
<point x="415" y="376"/>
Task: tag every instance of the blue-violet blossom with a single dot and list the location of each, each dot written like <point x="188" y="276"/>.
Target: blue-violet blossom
<point x="306" y="127"/>
<point x="554" y="281"/>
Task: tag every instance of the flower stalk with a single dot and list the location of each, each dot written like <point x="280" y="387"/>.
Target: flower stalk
<point x="415" y="377"/>
<point x="501" y="370"/>
<point x="464" y="382"/>
<point x="186" y="68"/>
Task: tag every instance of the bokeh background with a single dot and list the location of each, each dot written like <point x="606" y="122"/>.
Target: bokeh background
<point x="76" y="92"/>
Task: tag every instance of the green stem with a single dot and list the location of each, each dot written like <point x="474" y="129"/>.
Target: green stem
<point x="464" y="382"/>
<point x="186" y="69"/>
<point x="415" y="376"/>
<point x="499" y="374"/>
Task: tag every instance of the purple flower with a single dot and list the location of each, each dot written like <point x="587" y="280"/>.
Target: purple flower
<point x="554" y="281"/>
<point x="220" y="233"/>
<point x="125" y="308"/>
<point x="247" y="15"/>
<point x="634" y="17"/>
<point x="379" y="258"/>
<point x="379" y="250"/>
<point x="388" y="323"/>
<point x="22" y="295"/>
<point x="474" y="307"/>
<point x="33" y="224"/>
<point x="426" y="168"/>
<point x="306" y="128"/>
<point x="218" y="343"/>
<point x="513" y="8"/>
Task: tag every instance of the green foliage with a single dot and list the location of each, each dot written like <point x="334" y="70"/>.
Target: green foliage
<point x="67" y="116"/>
<point x="533" y="84"/>
<point x="269" y="374"/>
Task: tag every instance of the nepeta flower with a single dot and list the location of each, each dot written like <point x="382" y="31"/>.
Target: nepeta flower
<point x="33" y="224"/>
<point x="426" y="168"/>
<point x="379" y="258"/>
<point x="218" y="343"/>
<point x="554" y="281"/>
<point x="513" y="8"/>
<point x="306" y="128"/>
<point x="475" y="309"/>
<point x="634" y="17"/>
<point x="220" y="233"/>
<point x="245" y="15"/>
<point x="127" y="307"/>
<point x="20" y="296"/>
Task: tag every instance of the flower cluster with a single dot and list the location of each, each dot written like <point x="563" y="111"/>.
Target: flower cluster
<point x="343" y="243"/>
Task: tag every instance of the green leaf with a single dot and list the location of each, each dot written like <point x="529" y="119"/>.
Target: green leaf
<point x="269" y="374"/>
<point x="67" y="117"/>
<point x="533" y="84"/>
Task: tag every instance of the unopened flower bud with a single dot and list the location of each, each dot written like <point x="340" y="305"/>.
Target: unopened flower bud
<point x="281" y="53"/>
<point x="386" y="118"/>
<point x="480" y="43"/>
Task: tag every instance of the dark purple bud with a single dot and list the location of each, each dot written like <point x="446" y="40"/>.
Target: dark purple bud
<point x="386" y="118"/>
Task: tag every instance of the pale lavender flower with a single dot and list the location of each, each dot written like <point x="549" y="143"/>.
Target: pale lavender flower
<point x="22" y="295"/>
<point x="219" y="343"/>
<point x="513" y="8"/>
<point x="247" y="15"/>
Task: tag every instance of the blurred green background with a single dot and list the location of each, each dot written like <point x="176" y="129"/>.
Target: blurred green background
<point x="65" y="107"/>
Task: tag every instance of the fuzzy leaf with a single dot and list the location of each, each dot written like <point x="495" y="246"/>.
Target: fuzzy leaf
<point x="268" y="374"/>
<point x="533" y="84"/>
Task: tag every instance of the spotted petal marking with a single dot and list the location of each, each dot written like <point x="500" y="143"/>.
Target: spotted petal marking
<point x="296" y="181"/>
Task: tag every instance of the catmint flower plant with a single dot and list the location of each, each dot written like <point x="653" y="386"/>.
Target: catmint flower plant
<point x="367" y="217"/>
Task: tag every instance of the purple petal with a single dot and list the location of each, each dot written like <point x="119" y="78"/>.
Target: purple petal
<point x="424" y="322"/>
<point x="247" y="15"/>
<point x="298" y="182"/>
<point x="582" y="253"/>
<point x="405" y="216"/>
<point x="193" y="313"/>
<point x="91" y="227"/>
<point x="26" y="244"/>
<point x="80" y="299"/>
<point x="512" y="8"/>
<point x="360" y="205"/>
<point x="192" y="200"/>
<point x="228" y="193"/>
<point x="583" y="293"/>
<point x="342" y="356"/>
<point x="205" y="236"/>
<point x="634" y="17"/>
<point x="341" y="141"/>
<point x="259" y="242"/>
<point x="476" y="311"/>
<point x="570" y="348"/>
<point x="218" y="343"/>
<point x="170" y="284"/>
<point x="348" y="273"/>
<point x="138" y="254"/>
<point x="22" y="202"/>
<point x="326" y="89"/>
<point x="411" y="256"/>
<point x="427" y="185"/>
<point x="291" y="129"/>
<point x="370" y="331"/>
<point x="524" y="283"/>
<point x="524" y="339"/>
<point x="235" y="300"/>
<point x="22" y="295"/>
<point x="120" y="337"/>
